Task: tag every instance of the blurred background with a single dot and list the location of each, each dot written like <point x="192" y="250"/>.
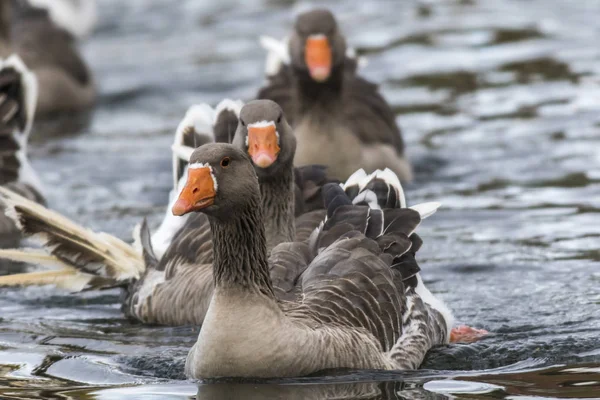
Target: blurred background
<point x="498" y="101"/>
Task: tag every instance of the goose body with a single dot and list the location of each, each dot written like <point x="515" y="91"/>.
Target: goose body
<point x="50" y="51"/>
<point x="356" y="298"/>
<point x="340" y="119"/>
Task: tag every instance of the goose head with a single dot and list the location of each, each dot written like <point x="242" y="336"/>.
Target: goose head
<point x="265" y="135"/>
<point x="221" y="182"/>
<point x="316" y="45"/>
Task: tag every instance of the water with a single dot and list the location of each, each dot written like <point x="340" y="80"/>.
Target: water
<point x="499" y="103"/>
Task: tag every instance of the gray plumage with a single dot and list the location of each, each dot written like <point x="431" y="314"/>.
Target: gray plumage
<point x="349" y="306"/>
<point x="64" y="80"/>
<point x="343" y="122"/>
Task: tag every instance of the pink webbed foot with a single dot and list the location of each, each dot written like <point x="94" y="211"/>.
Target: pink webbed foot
<point x="466" y="334"/>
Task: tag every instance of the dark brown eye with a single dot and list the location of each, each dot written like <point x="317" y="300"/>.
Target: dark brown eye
<point x="243" y="123"/>
<point x="225" y="162"/>
<point x="279" y="118"/>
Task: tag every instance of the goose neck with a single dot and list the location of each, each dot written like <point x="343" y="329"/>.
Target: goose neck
<point x="240" y="254"/>
<point x="278" y="203"/>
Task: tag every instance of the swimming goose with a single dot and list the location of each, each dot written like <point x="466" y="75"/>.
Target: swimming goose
<point x="65" y="83"/>
<point x="18" y="91"/>
<point x="358" y="300"/>
<point x="339" y="118"/>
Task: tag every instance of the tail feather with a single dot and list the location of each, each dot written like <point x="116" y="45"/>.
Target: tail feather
<point x="98" y="254"/>
<point x="384" y="185"/>
<point x="68" y="279"/>
<point x="32" y="256"/>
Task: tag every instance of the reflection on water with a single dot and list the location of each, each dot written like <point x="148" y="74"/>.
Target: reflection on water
<point x="499" y="103"/>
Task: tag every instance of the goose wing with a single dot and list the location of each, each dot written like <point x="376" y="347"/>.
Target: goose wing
<point x="363" y="275"/>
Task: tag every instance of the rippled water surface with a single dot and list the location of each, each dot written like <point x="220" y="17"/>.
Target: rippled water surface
<point x="500" y="104"/>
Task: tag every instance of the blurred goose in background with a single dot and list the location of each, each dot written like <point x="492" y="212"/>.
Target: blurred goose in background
<point x="18" y="92"/>
<point x="339" y="119"/>
<point x="355" y="297"/>
<point x="43" y="34"/>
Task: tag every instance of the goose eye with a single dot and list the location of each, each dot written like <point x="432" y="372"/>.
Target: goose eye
<point x="243" y="123"/>
<point x="225" y="162"/>
<point x="279" y="118"/>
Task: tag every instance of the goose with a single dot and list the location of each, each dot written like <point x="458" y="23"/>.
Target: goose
<point x="173" y="286"/>
<point x="175" y="289"/>
<point x="18" y="92"/>
<point x="357" y="298"/>
<point x="340" y="119"/>
<point x="49" y="50"/>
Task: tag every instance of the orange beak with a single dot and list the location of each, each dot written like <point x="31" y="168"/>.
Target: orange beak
<point x="262" y="145"/>
<point x="317" y="55"/>
<point x="198" y="192"/>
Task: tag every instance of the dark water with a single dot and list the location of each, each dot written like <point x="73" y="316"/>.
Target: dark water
<point x="500" y="104"/>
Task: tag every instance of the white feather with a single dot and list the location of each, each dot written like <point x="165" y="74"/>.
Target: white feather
<point x="171" y="224"/>
<point x="435" y="303"/>
<point x="355" y="178"/>
<point x="426" y="209"/>
<point x="30" y="93"/>
<point x="369" y="197"/>
<point x="389" y="177"/>
<point x="182" y="152"/>
<point x="261" y="124"/>
<point x="231" y="105"/>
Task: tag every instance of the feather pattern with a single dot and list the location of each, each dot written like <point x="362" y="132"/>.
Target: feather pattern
<point x="18" y="96"/>
<point x="346" y="293"/>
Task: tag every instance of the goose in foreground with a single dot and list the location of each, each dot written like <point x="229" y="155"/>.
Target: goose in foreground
<point x="357" y="300"/>
<point x="49" y="50"/>
<point x="18" y="91"/>
<point x="340" y="119"/>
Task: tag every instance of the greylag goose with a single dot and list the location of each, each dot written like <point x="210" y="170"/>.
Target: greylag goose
<point x="49" y="50"/>
<point x="357" y="299"/>
<point x="339" y="118"/>
<point x="18" y="90"/>
<point x="173" y="289"/>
